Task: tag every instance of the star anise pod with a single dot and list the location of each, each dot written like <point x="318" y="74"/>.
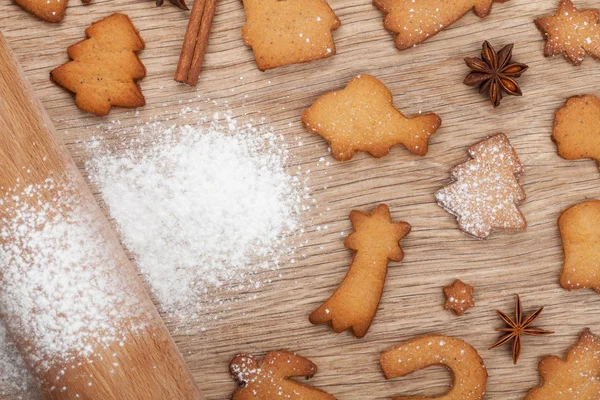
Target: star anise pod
<point x="518" y="327"/>
<point x="179" y="3"/>
<point x="494" y="72"/>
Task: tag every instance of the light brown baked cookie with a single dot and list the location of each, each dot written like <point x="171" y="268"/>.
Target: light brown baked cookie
<point x="48" y="10"/>
<point x="485" y="193"/>
<point x="268" y="379"/>
<point x="105" y="68"/>
<point x="414" y="22"/>
<point x="375" y="240"/>
<point x="576" y="130"/>
<point x="579" y="228"/>
<point x="459" y="297"/>
<point x="469" y="376"/>
<point x="571" y="32"/>
<point x="289" y="31"/>
<point x="575" y="378"/>
<point x="361" y="117"/>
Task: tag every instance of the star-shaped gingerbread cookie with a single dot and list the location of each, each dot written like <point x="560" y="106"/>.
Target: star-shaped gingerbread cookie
<point x="571" y="32"/>
<point x="459" y="297"/>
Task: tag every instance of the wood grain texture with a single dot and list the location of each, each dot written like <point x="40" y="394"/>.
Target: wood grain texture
<point x="150" y="367"/>
<point x="428" y="78"/>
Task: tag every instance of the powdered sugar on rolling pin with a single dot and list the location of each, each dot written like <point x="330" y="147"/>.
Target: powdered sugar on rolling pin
<point x="201" y="208"/>
<point x="14" y="378"/>
<point x="59" y="287"/>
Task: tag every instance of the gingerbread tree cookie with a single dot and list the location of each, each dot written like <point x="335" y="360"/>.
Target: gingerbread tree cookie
<point x="48" y="10"/>
<point x="361" y="117"/>
<point x="459" y="297"/>
<point x="469" y="376"/>
<point x="269" y="379"/>
<point x="485" y="191"/>
<point x="575" y="378"/>
<point x="571" y="32"/>
<point x="576" y="129"/>
<point x="376" y="240"/>
<point x="415" y="21"/>
<point x="104" y="68"/>
<point x="289" y="32"/>
<point x="579" y="228"/>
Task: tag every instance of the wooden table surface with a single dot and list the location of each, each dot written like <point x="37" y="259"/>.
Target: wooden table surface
<point x="427" y="78"/>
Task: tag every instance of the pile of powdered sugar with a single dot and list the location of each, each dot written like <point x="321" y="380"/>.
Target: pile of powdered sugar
<point x="200" y="207"/>
<point x="59" y="285"/>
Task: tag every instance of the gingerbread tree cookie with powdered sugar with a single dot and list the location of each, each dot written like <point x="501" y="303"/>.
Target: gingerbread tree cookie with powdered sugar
<point x="485" y="191"/>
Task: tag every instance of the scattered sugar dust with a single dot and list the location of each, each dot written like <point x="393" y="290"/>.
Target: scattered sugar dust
<point x="201" y="208"/>
<point x="14" y="377"/>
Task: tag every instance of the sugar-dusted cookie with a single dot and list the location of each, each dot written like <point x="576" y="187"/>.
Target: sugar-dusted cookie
<point x="289" y="31"/>
<point x="375" y="240"/>
<point x="579" y="228"/>
<point x="571" y="32"/>
<point x="576" y="130"/>
<point x="469" y="375"/>
<point x="485" y="192"/>
<point x="414" y="21"/>
<point x="575" y="378"/>
<point x="48" y="10"/>
<point x="105" y="68"/>
<point x="459" y="297"/>
<point x="269" y="379"/>
<point x="361" y="117"/>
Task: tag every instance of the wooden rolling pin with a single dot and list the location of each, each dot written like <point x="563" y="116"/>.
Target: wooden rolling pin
<point x="143" y="362"/>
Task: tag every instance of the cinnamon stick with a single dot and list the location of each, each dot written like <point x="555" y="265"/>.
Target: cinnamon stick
<point x="195" y="42"/>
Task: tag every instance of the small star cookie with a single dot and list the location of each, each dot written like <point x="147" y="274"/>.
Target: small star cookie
<point x="575" y="378"/>
<point x="362" y="117"/>
<point x="576" y="129"/>
<point x="571" y="32"/>
<point x="459" y="297"/>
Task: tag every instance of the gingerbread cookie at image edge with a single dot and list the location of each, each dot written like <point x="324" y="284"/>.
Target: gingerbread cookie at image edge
<point x="362" y="117"/>
<point x="469" y="375"/>
<point x="375" y="240"/>
<point x="571" y="32"/>
<point x="269" y="378"/>
<point x="289" y="32"/>
<point x="105" y="68"/>
<point x="579" y="228"/>
<point x="576" y="129"/>
<point x="459" y="297"/>
<point x="576" y="377"/>
<point x="415" y="21"/>
<point x="485" y="193"/>
<point x="47" y="10"/>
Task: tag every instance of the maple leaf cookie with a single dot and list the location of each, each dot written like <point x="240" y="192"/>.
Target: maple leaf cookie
<point x="361" y="117"/>
<point x="414" y="21"/>
<point x="576" y="129"/>
<point x="47" y="10"/>
<point x="283" y="32"/>
<point x="579" y="228"/>
<point x="469" y="376"/>
<point x="269" y="378"/>
<point x="105" y="68"/>
<point x="571" y="32"/>
<point x="485" y="193"/>
<point x="575" y="378"/>
<point x="375" y="240"/>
